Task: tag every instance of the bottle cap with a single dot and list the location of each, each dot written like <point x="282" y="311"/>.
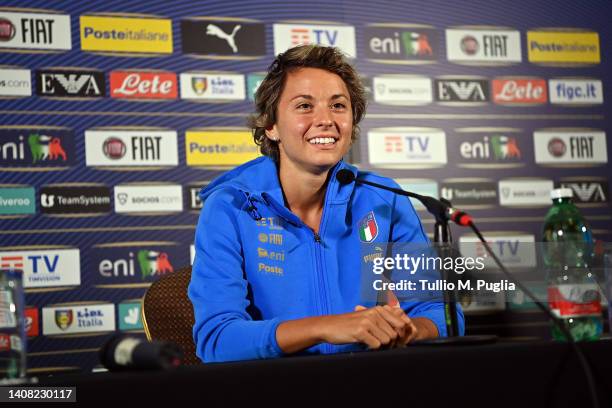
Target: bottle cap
<point x="561" y="193"/>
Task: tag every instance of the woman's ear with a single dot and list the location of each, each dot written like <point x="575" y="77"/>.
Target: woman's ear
<point x="272" y="133"/>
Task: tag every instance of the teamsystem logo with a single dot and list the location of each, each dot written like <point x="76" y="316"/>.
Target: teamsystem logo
<point x="36" y="147"/>
<point x="35" y="31"/>
<point x="401" y="43"/>
<point x="126" y="35"/>
<point x="229" y="38"/>
<point x="289" y="35"/>
<point x="563" y="47"/>
<point x="219" y="147"/>
<point x="15" y="82"/>
<point x="209" y="87"/>
<point x="75" y="199"/>
<point x="470" y="193"/>
<point x="483" y="46"/>
<point x="70" y="83"/>
<point x="91" y="318"/>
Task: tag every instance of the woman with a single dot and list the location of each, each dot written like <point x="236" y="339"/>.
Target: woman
<point x="277" y="259"/>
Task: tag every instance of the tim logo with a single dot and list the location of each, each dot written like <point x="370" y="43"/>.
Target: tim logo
<point x="153" y="263"/>
<point x="394" y="144"/>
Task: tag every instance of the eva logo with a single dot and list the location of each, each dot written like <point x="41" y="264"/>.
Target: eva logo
<point x="70" y="83"/>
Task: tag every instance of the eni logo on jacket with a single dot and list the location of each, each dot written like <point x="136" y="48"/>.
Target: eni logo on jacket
<point x="368" y="228"/>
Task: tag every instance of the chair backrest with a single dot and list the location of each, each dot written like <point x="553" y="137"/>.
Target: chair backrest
<point x="167" y="313"/>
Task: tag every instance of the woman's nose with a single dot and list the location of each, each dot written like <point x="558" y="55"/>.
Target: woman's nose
<point x="324" y="118"/>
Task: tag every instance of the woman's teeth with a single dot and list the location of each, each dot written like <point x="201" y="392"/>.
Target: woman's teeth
<point x="322" y="140"/>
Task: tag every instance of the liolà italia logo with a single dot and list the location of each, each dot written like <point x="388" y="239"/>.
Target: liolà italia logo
<point x="126" y="34"/>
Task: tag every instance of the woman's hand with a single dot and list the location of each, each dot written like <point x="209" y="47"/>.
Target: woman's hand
<point x="379" y="326"/>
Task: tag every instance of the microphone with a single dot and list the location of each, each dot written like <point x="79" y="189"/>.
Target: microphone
<point x="443" y="212"/>
<point x="441" y="209"/>
<point x="131" y="353"/>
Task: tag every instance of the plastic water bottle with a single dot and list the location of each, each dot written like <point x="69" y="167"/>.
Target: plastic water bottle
<point x="573" y="292"/>
<point x="12" y="325"/>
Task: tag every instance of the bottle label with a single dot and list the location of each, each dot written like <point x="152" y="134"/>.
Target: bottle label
<point x="574" y="300"/>
<point x="7" y="316"/>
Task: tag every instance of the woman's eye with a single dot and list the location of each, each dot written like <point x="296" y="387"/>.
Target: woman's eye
<point x="303" y="106"/>
<point x="339" y="105"/>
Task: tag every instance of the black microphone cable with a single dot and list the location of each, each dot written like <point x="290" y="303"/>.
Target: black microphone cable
<point x="556" y="321"/>
<point x="441" y="209"/>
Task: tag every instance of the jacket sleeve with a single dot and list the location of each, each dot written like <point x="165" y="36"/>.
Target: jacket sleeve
<point x="223" y="330"/>
<point x="407" y="228"/>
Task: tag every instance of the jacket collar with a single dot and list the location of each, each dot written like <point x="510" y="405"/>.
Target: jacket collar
<point x="258" y="181"/>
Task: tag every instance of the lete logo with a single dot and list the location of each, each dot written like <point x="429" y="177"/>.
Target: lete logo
<point x="519" y="91"/>
<point x="143" y="85"/>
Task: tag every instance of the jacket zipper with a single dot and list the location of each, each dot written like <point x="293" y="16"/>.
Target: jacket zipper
<point x="326" y="348"/>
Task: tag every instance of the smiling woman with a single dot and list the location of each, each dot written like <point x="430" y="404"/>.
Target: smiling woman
<point x="307" y="297"/>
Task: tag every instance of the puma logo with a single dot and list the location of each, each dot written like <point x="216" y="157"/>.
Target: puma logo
<point x="214" y="30"/>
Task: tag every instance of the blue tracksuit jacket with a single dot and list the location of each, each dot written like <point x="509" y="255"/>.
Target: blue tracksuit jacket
<point x="257" y="264"/>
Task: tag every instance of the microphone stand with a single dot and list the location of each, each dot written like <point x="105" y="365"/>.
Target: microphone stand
<point x="443" y="239"/>
<point x="442" y="211"/>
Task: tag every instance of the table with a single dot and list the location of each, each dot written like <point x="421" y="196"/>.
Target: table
<point x="518" y="374"/>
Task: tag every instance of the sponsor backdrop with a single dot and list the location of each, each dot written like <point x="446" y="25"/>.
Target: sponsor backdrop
<point x="115" y="113"/>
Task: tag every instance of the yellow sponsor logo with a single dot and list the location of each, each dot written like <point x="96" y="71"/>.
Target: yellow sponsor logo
<point x="119" y="34"/>
<point x="219" y="148"/>
<point x="546" y="46"/>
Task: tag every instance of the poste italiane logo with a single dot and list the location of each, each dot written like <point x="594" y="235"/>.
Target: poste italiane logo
<point x="129" y="35"/>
